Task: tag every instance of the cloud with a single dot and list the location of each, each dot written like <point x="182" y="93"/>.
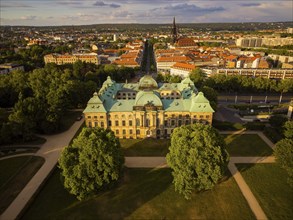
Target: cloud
<point x="29" y="17"/>
<point x="102" y="4"/>
<point x="122" y="14"/>
<point x="185" y="10"/>
<point x="15" y="5"/>
<point x="250" y="4"/>
<point x="70" y="2"/>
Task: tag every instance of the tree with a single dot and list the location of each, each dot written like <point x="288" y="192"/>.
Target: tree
<point x="93" y="162"/>
<point x="288" y="129"/>
<point x="22" y="117"/>
<point x="197" y="157"/>
<point x="277" y="121"/>
<point x="211" y="95"/>
<point x="197" y="76"/>
<point x="284" y="156"/>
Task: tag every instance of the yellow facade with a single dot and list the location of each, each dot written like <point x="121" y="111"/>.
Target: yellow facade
<point x="141" y="124"/>
<point x="69" y="59"/>
<point x="151" y="110"/>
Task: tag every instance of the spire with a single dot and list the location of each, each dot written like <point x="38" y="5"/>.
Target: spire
<point x="174" y="31"/>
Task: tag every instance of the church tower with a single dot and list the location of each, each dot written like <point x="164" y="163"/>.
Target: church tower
<point x="174" y="32"/>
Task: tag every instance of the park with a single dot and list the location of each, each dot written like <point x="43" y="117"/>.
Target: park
<point x="146" y="191"/>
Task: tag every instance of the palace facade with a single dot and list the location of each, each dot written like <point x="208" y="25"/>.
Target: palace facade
<point x="147" y="108"/>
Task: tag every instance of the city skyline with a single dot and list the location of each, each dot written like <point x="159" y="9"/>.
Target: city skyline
<point x="75" y="12"/>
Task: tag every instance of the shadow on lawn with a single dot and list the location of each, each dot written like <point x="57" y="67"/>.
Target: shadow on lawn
<point x="137" y="187"/>
<point x="242" y="167"/>
<point x="145" y="147"/>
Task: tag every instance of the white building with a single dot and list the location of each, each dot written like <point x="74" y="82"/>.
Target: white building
<point x="182" y="69"/>
<point x="255" y="63"/>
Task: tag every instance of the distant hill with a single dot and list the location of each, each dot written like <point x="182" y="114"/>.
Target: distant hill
<point x="253" y="26"/>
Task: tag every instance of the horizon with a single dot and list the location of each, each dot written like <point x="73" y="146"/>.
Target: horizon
<point x="170" y="23"/>
<point x="41" y="13"/>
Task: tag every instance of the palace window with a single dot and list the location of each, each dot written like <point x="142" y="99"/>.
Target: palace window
<point x="95" y="117"/>
<point x="117" y="132"/>
<point x="130" y="123"/>
<point x="165" y="123"/>
<point x="123" y="131"/>
<point x="137" y="131"/>
<point x="172" y="122"/>
<point x="90" y="124"/>
<point x="89" y="116"/>
<point x="96" y="124"/>
<point x="110" y="123"/>
<point x="116" y="123"/>
<point x="137" y="122"/>
<point x="130" y="131"/>
<point x="123" y="123"/>
<point x="102" y="124"/>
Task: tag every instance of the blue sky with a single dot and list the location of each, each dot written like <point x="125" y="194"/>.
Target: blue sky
<point x="78" y="12"/>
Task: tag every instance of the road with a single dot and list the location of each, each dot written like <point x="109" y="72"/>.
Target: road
<point x="255" y="99"/>
<point x="227" y="114"/>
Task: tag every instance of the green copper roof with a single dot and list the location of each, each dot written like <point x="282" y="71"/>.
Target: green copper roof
<point x="199" y="103"/>
<point x="147" y="93"/>
<point x="95" y="99"/>
<point x="95" y="104"/>
<point x="147" y="97"/>
<point x="148" y="81"/>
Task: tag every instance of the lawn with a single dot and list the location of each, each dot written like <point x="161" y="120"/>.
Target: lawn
<point x="246" y="145"/>
<point x="237" y="145"/>
<point x="268" y="182"/>
<point x="15" y="173"/>
<point x="145" y="147"/>
<point x="142" y="194"/>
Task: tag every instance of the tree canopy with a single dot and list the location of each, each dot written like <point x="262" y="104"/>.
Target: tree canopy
<point x="288" y="129"/>
<point x="197" y="157"/>
<point x="93" y="162"/>
<point x="284" y="156"/>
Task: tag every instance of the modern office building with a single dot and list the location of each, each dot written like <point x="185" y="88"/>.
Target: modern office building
<point x="147" y="108"/>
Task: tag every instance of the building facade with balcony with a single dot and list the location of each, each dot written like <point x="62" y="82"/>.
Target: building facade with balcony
<point x="146" y="108"/>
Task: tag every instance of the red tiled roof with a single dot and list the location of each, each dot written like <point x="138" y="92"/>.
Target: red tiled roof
<point x="187" y="66"/>
<point x="173" y="59"/>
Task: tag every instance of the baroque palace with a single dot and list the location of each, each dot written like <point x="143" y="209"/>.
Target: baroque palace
<point x="146" y="108"/>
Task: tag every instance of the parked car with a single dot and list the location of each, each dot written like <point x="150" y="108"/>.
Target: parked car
<point x="79" y="118"/>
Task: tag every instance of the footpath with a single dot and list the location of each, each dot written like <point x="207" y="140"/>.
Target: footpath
<point x="51" y="152"/>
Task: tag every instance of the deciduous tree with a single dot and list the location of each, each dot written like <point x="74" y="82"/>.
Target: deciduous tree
<point x="93" y="162"/>
<point x="197" y="157"/>
<point x="284" y="156"/>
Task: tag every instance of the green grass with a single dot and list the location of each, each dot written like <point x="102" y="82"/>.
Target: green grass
<point x="246" y="145"/>
<point x="15" y="173"/>
<point x="145" y="147"/>
<point x="8" y="151"/>
<point x="142" y="194"/>
<point x="237" y="145"/>
<point x="268" y="182"/>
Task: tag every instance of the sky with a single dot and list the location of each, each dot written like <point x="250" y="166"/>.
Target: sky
<point x="82" y="12"/>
